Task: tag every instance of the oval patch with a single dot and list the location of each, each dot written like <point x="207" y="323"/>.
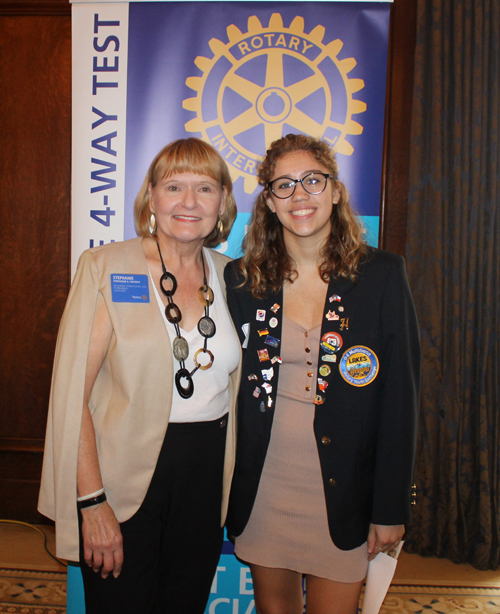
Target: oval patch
<point x="359" y="366"/>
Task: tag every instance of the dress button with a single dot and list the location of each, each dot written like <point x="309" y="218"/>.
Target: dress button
<point x="306" y="334"/>
<point x="309" y="374"/>
<point x="326" y="441"/>
<point x="308" y="350"/>
<point x="223" y="423"/>
<point x="309" y="363"/>
<point x="308" y="388"/>
<point x="332" y="482"/>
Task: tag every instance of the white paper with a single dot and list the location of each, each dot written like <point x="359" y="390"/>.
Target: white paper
<point x="380" y="573"/>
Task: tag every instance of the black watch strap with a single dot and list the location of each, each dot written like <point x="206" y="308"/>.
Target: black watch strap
<point x="89" y="502"/>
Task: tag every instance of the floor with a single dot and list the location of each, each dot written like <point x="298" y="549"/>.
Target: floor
<point x="21" y="547"/>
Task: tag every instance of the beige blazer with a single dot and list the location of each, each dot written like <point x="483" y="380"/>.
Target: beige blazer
<point x="130" y="401"/>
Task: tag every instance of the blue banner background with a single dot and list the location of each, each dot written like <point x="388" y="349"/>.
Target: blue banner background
<point x="165" y="38"/>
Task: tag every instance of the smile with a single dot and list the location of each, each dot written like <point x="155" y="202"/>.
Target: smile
<point x="187" y="218"/>
<point x="302" y="212"/>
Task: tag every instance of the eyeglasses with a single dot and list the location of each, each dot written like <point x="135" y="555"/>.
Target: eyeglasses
<point x="284" y="187"/>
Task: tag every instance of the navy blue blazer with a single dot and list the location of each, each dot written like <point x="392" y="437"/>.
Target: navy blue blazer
<point x="367" y="394"/>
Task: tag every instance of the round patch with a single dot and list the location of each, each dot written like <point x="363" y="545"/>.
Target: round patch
<point x="359" y="366"/>
<point x="331" y="342"/>
<point x="273" y="322"/>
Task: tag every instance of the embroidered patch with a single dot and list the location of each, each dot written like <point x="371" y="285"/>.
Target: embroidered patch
<point x="359" y="366"/>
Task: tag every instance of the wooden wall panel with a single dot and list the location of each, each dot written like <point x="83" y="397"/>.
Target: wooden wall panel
<point x="398" y="127"/>
<point x="35" y="109"/>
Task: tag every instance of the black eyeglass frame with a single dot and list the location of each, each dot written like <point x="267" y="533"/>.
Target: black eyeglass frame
<point x="301" y="181"/>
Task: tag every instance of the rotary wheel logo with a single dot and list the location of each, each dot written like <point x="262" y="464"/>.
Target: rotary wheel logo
<point x="268" y="82"/>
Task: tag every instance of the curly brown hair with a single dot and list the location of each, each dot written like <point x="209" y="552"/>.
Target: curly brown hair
<point x="266" y="263"/>
<point x="189" y="155"/>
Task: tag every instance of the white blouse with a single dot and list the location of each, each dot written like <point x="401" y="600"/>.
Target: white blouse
<point x="210" y="399"/>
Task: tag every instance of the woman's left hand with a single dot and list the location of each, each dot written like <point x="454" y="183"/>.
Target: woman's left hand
<point x="383" y="538"/>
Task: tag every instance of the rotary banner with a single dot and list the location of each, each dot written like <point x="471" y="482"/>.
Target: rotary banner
<point x="238" y="75"/>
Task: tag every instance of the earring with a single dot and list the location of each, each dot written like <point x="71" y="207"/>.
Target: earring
<point x="152" y="224"/>
<point x="220" y="225"/>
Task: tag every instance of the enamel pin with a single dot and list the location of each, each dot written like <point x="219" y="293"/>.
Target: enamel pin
<point x="263" y="355"/>
<point x="272" y="341"/>
<point x="261" y="315"/>
<point x="329" y="358"/>
<point x="268" y="374"/>
<point x="324" y="370"/>
<point x="322" y="384"/>
<point x="331" y="342"/>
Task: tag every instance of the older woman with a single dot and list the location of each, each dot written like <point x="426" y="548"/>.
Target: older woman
<point x="326" y="410"/>
<point x="141" y="433"/>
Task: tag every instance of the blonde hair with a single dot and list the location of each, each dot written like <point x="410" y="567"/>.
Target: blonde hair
<point x="266" y="263"/>
<point x="190" y="155"/>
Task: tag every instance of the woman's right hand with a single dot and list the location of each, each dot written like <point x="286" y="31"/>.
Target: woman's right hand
<point x="102" y="539"/>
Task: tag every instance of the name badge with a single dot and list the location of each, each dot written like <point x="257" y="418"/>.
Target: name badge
<point x="129" y="288"/>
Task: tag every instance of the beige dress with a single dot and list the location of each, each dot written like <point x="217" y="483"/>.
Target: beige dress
<point x="288" y="527"/>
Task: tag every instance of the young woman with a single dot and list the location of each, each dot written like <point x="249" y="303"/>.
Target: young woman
<point x="328" y="399"/>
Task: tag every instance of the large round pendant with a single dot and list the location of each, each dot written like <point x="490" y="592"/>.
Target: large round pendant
<point x="184" y="391"/>
<point x="210" y="359"/>
<point x="173" y="313"/>
<point x="206" y="326"/>
<point x="168" y="277"/>
<point x="180" y="349"/>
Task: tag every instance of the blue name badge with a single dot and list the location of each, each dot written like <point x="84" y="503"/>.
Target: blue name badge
<point x="129" y="288"/>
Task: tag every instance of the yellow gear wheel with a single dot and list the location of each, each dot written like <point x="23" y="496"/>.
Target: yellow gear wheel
<point x="270" y="81"/>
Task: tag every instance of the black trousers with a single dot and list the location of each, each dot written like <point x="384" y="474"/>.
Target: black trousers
<point x="173" y="543"/>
